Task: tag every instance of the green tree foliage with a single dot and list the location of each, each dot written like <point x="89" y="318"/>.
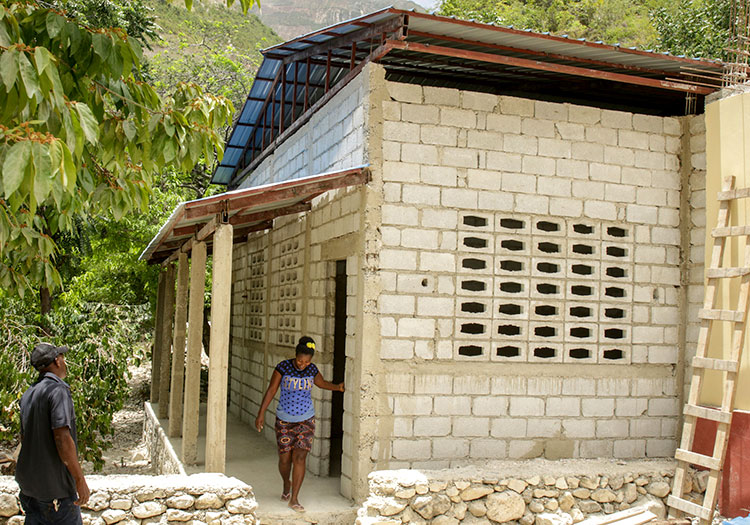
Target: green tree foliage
<point x="103" y="339"/>
<point x="692" y="27"/>
<point x="697" y="28"/>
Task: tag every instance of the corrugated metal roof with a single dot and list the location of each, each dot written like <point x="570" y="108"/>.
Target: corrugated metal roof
<point x="260" y="122"/>
<point x="249" y="209"/>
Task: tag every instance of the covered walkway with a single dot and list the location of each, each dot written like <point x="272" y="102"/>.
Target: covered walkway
<point x="253" y="460"/>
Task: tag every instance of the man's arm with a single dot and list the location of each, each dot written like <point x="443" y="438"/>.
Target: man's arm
<point x="66" y="448"/>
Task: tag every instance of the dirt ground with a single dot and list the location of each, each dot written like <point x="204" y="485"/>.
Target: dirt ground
<point x="128" y="454"/>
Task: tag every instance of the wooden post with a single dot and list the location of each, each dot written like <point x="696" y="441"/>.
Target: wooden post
<point x="193" y="367"/>
<point x="218" y="370"/>
<point x="166" y="341"/>
<point x="178" y="348"/>
<point x="156" y="349"/>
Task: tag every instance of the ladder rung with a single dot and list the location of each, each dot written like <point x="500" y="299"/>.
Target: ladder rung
<point x="697" y="459"/>
<point x="715" y="364"/>
<point x="688" y="506"/>
<point x="730" y="230"/>
<point x="708" y="413"/>
<point x="721" y="315"/>
<point x="739" y="193"/>
<point x="719" y="273"/>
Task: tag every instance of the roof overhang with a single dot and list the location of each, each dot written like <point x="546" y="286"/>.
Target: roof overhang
<point x="298" y="77"/>
<point x="247" y="210"/>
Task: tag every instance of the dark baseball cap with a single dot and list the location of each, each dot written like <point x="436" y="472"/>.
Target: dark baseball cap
<point x="44" y="353"/>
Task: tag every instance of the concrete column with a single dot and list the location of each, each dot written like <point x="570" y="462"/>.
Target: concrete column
<point x="156" y="350"/>
<point x="166" y="341"/>
<point x="193" y="366"/>
<point x="218" y="369"/>
<point x="178" y="348"/>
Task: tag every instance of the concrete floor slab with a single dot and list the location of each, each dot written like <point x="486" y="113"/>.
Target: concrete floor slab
<point x="253" y="460"/>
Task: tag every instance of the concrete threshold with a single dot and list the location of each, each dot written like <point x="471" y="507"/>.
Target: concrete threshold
<point x="253" y="460"/>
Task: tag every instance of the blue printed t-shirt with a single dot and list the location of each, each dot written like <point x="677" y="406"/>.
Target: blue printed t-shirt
<point x="295" y="403"/>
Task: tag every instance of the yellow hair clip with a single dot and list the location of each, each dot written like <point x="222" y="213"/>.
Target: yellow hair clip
<point x="311" y="345"/>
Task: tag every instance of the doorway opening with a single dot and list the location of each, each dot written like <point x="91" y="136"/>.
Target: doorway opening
<point x="339" y="364"/>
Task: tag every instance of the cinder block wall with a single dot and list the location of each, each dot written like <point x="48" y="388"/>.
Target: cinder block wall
<point x="531" y="274"/>
<point x="332" y="139"/>
<point x="283" y="287"/>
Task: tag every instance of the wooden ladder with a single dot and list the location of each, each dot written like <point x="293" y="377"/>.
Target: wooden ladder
<point x="707" y="315"/>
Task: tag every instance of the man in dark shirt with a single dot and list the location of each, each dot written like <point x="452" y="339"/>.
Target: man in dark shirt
<point x="48" y="473"/>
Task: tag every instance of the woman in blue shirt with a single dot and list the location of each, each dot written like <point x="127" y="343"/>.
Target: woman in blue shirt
<point x="295" y="415"/>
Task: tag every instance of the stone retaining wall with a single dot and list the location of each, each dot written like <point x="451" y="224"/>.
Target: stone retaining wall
<point x="201" y="499"/>
<point x="164" y="459"/>
<point x="538" y="493"/>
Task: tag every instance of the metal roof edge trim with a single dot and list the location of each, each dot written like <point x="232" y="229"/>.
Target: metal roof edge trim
<point x="582" y="42"/>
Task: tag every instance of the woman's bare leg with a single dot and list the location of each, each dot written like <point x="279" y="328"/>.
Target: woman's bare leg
<point x="285" y="469"/>
<point x="299" y="457"/>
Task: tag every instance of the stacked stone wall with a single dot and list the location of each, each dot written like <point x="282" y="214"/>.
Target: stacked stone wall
<point x="332" y="139"/>
<point x="539" y="497"/>
<point x="209" y="499"/>
<point x="530" y="268"/>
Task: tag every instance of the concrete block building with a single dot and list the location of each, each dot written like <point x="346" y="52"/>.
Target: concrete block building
<point x="496" y="237"/>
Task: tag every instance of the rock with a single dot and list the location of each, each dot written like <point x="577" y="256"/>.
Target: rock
<point x="535" y="480"/>
<point x="208" y="501"/>
<point x="476" y="492"/>
<point x="391" y="507"/>
<point x="120" y="504"/>
<point x="241" y="506"/>
<point x="603" y="496"/>
<point x="608" y="508"/>
<point x="406" y="493"/>
<point x="616" y="483"/>
<point x="430" y="506"/>
<point x="549" y="480"/>
<point x="98" y="501"/>
<point x="16" y="520"/>
<point x="582" y="493"/>
<point x="577" y="515"/>
<point x="148" y="495"/>
<point x="589" y="507"/>
<point x="553" y="519"/>
<point x="148" y="509"/>
<point x="183" y="501"/>
<point x="8" y="505"/>
<point x="573" y="483"/>
<point x="139" y="455"/>
<point x="444" y="520"/>
<point x="527" y="519"/>
<point x="178" y="515"/>
<point x="566" y="501"/>
<point x="590" y="483"/>
<point x="451" y="491"/>
<point x="561" y="484"/>
<point x="477" y="508"/>
<point x="641" y="490"/>
<point x="517" y="485"/>
<point x="536" y="506"/>
<point x="701" y="480"/>
<point x="552" y="505"/>
<point x="657" y="507"/>
<point x="658" y="488"/>
<point x="437" y="486"/>
<point x="113" y="516"/>
<point x="641" y="481"/>
<point x="545" y="493"/>
<point x="461" y="485"/>
<point x="459" y="510"/>
<point x="422" y="488"/>
<point x="505" y="506"/>
<point x="603" y="482"/>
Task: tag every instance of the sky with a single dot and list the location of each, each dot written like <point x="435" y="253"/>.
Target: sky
<point x="427" y="4"/>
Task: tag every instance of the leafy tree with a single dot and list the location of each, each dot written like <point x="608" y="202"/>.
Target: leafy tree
<point x="697" y="28"/>
<point x="82" y="134"/>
